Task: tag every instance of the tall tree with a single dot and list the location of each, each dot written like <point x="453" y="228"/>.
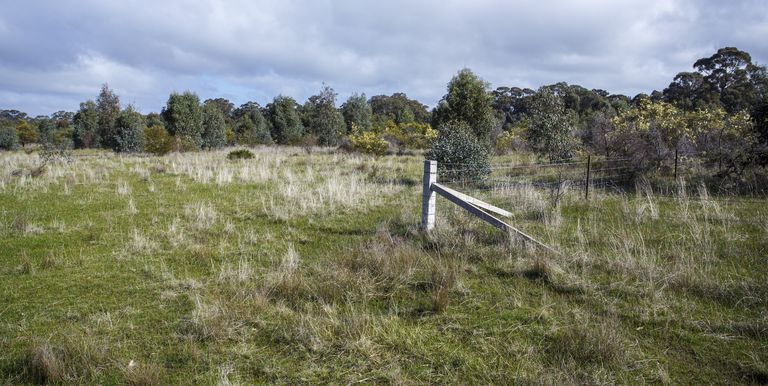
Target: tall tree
<point x="27" y="133"/>
<point x="728" y="74"/>
<point x="284" y="120"/>
<point x="108" y="106"/>
<point x="245" y="109"/>
<point x="214" y="127"/>
<point x="467" y="101"/>
<point x="689" y="91"/>
<point x="129" y="131"/>
<point x="225" y="106"/>
<point x="86" y="122"/>
<point x="357" y="113"/>
<point x="509" y="102"/>
<point x="154" y="119"/>
<point x="184" y="117"/>
<point x="252" y="133"/>
<point x="13" y="116"/>
<point x="322" y="119"/>
<point x="551" y="126"/>
<point x="46" y="130"/>
<point x="397" y="108"/>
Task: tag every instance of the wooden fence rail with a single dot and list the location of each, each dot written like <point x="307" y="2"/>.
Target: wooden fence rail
<point x="472" y="205"/>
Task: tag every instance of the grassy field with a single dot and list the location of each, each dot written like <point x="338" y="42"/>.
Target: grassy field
<point x="308" y="267"/>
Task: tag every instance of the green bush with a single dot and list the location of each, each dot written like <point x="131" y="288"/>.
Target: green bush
<point x="9" y="140"/>
<point x="240" y="154"/>
<point x="129" y="132"/>
<point x="158" y="141"/>
<point x="459" y="154"/>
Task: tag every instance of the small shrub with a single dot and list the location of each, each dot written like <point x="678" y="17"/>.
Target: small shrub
<point x="231" y="136"/>
<point x="308" y="141"/>
<point x="240" y="154"/>
<point x="369" y="143"/>
<point x="185" y="144"/>
<point x="459" y="154"/>
<point x="510" y="140"/>
<point x="158" y="141"/>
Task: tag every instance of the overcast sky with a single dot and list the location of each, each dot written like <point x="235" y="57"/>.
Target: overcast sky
<point x="55" y="54"/>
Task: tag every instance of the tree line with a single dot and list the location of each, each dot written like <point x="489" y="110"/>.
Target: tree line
<point x="718" y="111"/>
<point x="186" y="124"/>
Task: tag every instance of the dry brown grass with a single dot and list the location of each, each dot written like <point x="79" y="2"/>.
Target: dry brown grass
<point x="44" y="364"/>
<point x="66" y="362"/>
<point x="208" y="322"/>
<point x="140" y="374"/>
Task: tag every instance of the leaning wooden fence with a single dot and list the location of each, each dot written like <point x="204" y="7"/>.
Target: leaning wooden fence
<point x="481" y="209"/>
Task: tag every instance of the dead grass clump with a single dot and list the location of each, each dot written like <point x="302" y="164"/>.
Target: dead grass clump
<point x="27" y="266"/>
<point x="50" y="261"/>
<point x="123" y="189"/>
<point x="746" y="294"/>
<point x="646" y="202"/>
<point x="588" y="342"/>
<point x="37" y="171"/>
<point x="286" y="282"/>
<point x="388" y="261"/>
<point x="20" y="223"/>
<point x="142" y="374"/>
<point x="141" y="244"/>
<point x="175" y="233"/>
<point x="157" y="169"/>
<point x="132" y="210"/>
<point x="332" y="328"/>
<point x="235" y="273"/>
<point x="540" y="269"/>
<point x="44" y="364"/>
<point x="208" y="322"/>
<point x="67" y="363"/>
<point x="443" y="281"/>
<point x="202" y="215"/>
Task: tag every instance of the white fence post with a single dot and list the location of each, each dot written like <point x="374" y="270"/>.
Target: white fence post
<point x="428" y="197"/>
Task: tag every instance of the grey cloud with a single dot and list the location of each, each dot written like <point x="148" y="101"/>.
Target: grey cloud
<point x="56" y="54"/>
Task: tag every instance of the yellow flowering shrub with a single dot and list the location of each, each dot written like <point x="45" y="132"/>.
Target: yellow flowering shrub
<point x="412" y="135"/>
<point x="368" y="142"/>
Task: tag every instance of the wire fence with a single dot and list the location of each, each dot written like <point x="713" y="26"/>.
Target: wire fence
<point x="600" y="173"/>
<point x="603" y="174"/>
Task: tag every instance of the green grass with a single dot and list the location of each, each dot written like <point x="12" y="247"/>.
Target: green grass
<point x="194" y="269"/>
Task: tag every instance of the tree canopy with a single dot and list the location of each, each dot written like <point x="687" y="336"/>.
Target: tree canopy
<point x="469" y="102"/>
<point x="321" y="117"/>
<point x="184" y="117"/>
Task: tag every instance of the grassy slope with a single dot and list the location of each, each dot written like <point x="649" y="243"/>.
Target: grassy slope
<point x="200" y="283"/>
